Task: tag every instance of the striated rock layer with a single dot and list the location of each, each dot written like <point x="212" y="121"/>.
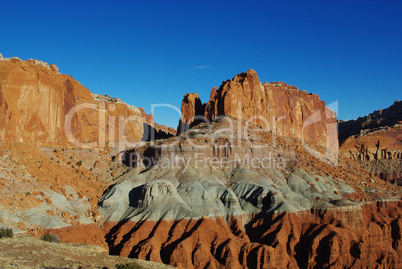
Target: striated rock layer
<point x="198" y="201"/>
<point x="375" y="141"/>
<point x="277" y="107"/>
<point x="363" y="236"/>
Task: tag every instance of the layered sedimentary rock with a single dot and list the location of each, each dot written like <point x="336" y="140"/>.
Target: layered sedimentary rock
<point x="277" y="107"/>
<point x="211" y="199"/>
<point x="357" y="237"/>
<point x="40" y="106"/>
<point x="222" y="195"/>
<point x="227" y="194"/>
<point x="375" y="141"/>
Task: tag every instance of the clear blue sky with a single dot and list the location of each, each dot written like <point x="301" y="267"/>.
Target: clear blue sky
<point x="148" y="52"/>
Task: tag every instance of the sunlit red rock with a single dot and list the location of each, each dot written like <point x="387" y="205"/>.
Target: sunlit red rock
<point x="35" y="100"/>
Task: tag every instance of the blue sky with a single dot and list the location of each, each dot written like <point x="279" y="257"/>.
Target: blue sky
<point x="150" y="52"/>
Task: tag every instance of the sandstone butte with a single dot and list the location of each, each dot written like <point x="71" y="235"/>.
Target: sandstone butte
<point x="276" y="107"/>
<point x="376" y="142"/>
<point x="299" y="210"/>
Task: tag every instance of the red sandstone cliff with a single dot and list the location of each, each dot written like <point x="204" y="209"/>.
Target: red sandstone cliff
<point x="278" y="107"/>
<point x="35" y="99"/>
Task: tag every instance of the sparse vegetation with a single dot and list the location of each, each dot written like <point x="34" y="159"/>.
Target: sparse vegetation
<point x="55" y="151"/>
<point x="54" y="238"/>
<point x="79" y="163"/>
<point x="7" y="233"/>
<point x="128" y="266"/>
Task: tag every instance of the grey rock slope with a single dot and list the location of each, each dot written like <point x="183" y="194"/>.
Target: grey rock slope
<point x="193" y="188"/>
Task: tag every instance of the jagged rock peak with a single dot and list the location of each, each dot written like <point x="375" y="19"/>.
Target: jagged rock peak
<point x="250" y="74"/>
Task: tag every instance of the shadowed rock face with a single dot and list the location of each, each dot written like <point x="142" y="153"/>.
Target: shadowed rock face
<point x="358" y="237"/>
<point x="277" y="107"/>
<point x="375" y="141"/>
<point x="192" y="112"/>
<point x="154" y="131"/>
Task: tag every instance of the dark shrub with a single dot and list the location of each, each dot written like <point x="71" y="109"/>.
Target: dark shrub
<point x="5" y="232"/>
<point x="54" y="238"/>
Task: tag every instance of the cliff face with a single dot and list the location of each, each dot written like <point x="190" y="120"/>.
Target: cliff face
<point x="56" y="144"/>
<point x="375" y="141"/>
<point x="35" y="100"/>
<point x="277" y="107"/>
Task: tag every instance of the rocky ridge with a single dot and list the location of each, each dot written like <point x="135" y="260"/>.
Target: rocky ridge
<point x="375" y="142"/>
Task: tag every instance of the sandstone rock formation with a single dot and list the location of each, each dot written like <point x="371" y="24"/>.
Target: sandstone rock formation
<point x="375" y="141"/>
<point x="36" y="103"/>
<point x="276" y="106"/>
<point x="192" y="112"/>
<point x="227" y="194"/>
<point x="49" y="180"/>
